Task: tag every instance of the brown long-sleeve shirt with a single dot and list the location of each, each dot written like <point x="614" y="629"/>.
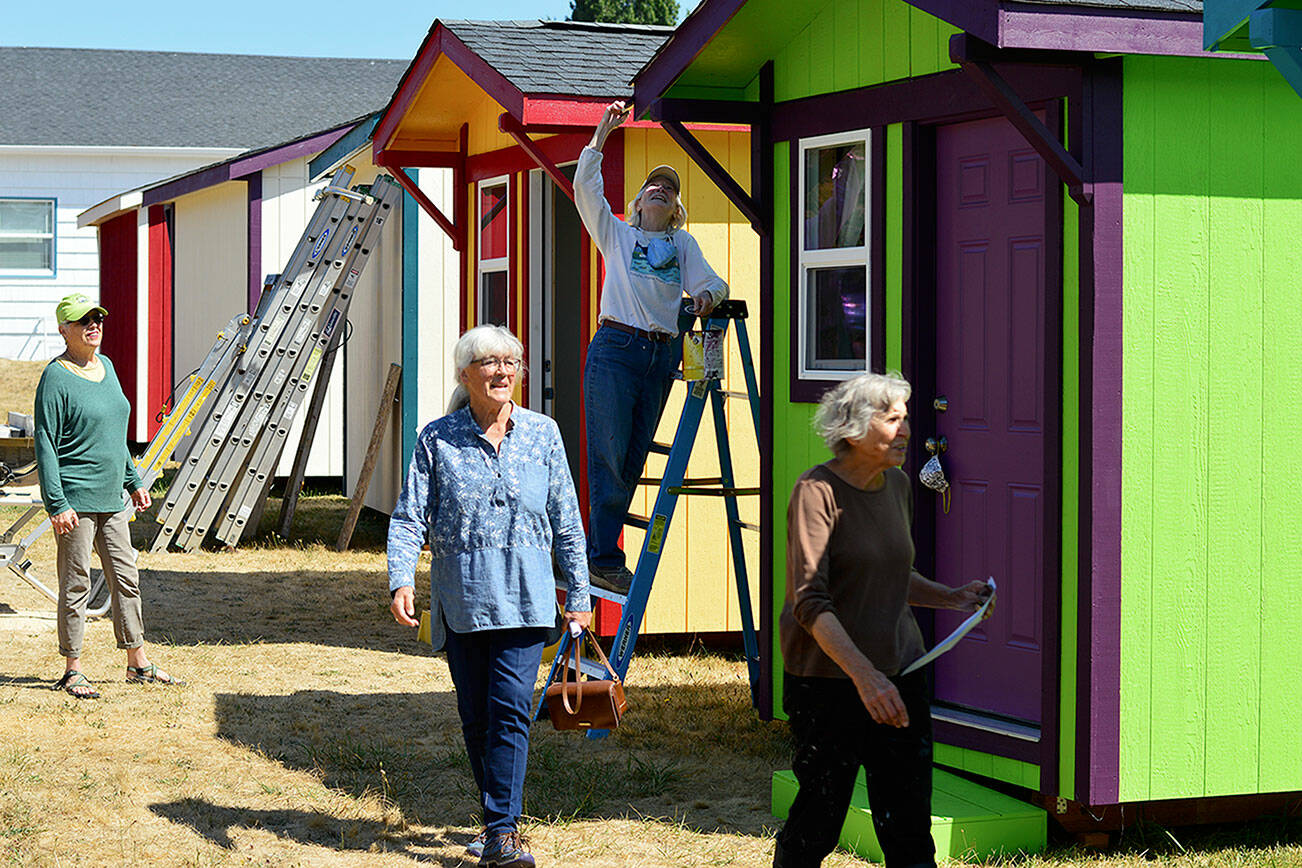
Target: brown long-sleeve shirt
<point x="849" y="552"/>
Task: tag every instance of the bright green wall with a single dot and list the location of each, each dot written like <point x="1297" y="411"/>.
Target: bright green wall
<point x="1211" y="698"/>
<point x="858" y="43"/>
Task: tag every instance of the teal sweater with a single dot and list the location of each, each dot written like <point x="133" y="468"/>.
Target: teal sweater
<point x="81" y="441"/>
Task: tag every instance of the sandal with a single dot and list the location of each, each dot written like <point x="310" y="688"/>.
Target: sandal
<point x="76" y="685"/>
<point x="150" y="674"/>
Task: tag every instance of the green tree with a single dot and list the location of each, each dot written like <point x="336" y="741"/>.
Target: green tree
<point x="625" y="11"/>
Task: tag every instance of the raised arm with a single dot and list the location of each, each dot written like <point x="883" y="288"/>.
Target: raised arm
<point x="590" y="187"/>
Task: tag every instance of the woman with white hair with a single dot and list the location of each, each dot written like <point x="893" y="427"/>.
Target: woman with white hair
<point x="650" y="263"/>
<point x="847" y="632"/>
<point x="489" y="489"/>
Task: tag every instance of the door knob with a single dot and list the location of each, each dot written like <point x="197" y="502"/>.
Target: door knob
<point x="940" y="404"/>
<point x="936" y="445"/>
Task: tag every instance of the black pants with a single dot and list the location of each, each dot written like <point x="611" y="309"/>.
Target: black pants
<point x="834" y="737"/>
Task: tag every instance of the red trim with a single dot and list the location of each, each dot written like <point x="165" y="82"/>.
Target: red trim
<point x="565" y="113"/>
<point x="562" y="148"/>
<point x="461" y="218"/>
<point x="612" y="171"/>
<point x="448" y="226"/>
<point x="442" y="41"/>
<point x="523" y="333"/>
<point x="512" y="252"/>
<point x="512" y="128"/>
<point x="118" y="264"/>
<point x="417" y="159"/>
<point x="158" y="353"/>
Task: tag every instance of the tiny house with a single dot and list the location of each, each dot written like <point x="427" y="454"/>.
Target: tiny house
<point x="507" y="107"/>
<point x="1075" y="233"/>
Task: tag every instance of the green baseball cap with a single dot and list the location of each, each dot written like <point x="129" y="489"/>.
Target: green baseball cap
<point x="75" y="306"/>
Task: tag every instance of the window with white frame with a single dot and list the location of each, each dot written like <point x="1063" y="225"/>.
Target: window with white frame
<point x="834" y="321"/>
<point x="494" y="260"/>
<point x="27" y="236"/>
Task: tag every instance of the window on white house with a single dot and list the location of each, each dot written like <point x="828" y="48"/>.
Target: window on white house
<point x="493" y="249"/>
<point x="27" y="236"/>
<point x="833" y="306"/>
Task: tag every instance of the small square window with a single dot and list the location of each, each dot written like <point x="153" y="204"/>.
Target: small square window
<point x="493" y="252"/>
<point x="27" y="236"/>
<point x="492" y="295"/>
<point x="836" y="315"/>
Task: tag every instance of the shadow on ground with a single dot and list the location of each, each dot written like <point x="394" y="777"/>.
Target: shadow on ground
<point x="408" y="748"/>
<point x="216" y="822"/>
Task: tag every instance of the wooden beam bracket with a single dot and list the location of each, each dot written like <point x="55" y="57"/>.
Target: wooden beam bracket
<point x="507" y="123"/>
<point x="448" y="227"/>
<point x="996" y="87"/>
<point x="749" y="208"/>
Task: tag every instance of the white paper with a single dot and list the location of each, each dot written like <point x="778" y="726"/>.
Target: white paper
<point x="959" y="632"/>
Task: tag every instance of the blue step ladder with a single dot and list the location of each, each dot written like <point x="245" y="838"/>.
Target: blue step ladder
<point x="672" y="485"/>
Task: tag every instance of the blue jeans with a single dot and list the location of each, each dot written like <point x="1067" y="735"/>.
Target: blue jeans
<point x="494" y="673"/>
<point x="626" y="382"/>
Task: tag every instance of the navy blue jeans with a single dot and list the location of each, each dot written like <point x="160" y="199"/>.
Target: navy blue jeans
<point x="835" y="736"/>
<point x="494" y="673"/>
<point x="626" y="382"/>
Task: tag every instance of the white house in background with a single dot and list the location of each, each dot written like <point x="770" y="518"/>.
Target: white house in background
<point x="82" y="125"/>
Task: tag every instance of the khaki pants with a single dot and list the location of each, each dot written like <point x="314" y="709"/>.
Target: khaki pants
<point x="110" y="535"/>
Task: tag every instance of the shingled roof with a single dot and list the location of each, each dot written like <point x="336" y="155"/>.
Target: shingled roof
<point x="563" y="58"/>
<point x="93" y="97"/>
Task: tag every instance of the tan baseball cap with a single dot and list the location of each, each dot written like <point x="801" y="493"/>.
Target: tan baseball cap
<point x="664" y="171"/>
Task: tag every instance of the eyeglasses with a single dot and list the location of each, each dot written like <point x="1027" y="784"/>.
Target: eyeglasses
<point x="93" y="317"/>
<point x="491" y="365"/>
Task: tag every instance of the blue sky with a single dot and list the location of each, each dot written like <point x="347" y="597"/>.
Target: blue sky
<point x="326" y="28"/>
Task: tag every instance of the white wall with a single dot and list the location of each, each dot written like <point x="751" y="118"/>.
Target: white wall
<point x="78" y="178"/>
<point x="287" y="207"/>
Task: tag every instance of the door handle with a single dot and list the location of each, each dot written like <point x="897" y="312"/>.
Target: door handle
<point x="936" y="445"/>
<point x="940" y="404"/>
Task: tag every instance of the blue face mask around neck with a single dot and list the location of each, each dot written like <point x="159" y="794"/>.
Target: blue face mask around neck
<point x="661" y="252"/>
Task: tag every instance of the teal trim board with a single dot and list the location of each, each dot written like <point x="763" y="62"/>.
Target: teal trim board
<point x="968" y="821"/>
<point x="410" y="319"/>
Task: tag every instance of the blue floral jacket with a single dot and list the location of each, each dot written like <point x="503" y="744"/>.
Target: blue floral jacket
<point x="493" y="520"/>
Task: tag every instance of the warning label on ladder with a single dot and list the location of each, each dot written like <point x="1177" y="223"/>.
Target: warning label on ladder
<point x="657" y="534"/>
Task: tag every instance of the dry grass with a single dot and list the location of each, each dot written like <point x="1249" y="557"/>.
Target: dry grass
<point x="18" y="385"/>
<point x="313" y="731"/>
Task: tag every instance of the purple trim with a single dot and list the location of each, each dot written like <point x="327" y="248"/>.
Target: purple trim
<point x="716" y="173"/>
<point x="1124" y="32"/>
<point x="1101" y="392"/>
<point x="197" y="180"/>
<point x="931" y="98"/>
<point x="971" y="738"/>
<point x="683" y="46"/>
<point x="254" y="245"/>
<point x="1051" y="599"/>
<point x="978" y="17"/>
<point x="811" y="391"/>
<point x="714" y="111"/>
<point x="292" y="151"/>
<point x="762" y="188"/>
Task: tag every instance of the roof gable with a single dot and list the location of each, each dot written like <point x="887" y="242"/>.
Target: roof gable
<point x="97" y="98"/>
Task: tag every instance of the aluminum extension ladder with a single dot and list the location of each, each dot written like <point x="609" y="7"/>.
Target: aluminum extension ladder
<point x="672" y="485"/>
<point x="236" y="447"/>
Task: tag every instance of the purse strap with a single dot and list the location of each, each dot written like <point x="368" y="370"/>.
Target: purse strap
<point x="576" y="655"/>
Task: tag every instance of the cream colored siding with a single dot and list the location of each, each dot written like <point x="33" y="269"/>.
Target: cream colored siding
<point x="209" y="264"/>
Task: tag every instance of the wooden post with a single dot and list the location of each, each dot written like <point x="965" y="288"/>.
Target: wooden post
<point x="294" y="485"/>
<point x="372" y="454"/>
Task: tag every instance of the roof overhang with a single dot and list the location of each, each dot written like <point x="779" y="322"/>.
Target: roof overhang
<point x="720" y="48"/>
<point x="438" y="94"/>
<point x="237" y="168"/>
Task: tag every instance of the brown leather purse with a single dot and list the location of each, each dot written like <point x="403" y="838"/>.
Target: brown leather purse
<point x="591" y="704"/>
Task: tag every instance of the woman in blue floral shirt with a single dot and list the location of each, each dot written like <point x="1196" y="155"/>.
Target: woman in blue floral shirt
<point x="489" y="488"/>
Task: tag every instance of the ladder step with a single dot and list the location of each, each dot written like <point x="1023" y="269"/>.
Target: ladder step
<point x="715" y="492"/>
<point x="659" y="448"/>
<point x="590" y="668"/>
<point x="745" y="525"/>
<point x="728" y="394"/>
<point x="638" y="521"/>
<point x="702" y="480"/>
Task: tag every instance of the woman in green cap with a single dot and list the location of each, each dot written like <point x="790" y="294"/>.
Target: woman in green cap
<point x="84" y="468"/>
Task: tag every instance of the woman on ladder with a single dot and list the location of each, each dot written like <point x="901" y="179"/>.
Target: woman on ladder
<point x="650" y="262"/>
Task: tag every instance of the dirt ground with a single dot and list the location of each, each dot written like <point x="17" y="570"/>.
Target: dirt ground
<point x="313" y="729"/>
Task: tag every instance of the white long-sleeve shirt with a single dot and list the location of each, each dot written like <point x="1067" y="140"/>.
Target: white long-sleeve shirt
<point x="636" y="293"/>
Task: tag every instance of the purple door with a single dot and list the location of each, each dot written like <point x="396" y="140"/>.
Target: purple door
<point x="990" y="335"/>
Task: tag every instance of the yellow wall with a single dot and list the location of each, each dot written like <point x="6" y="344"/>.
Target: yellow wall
<point x="695" y="589"/>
